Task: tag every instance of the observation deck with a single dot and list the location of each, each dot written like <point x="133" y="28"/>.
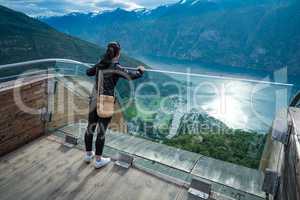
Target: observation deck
<point x="44" y="101"/>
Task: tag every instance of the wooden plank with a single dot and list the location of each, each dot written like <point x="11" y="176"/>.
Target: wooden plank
<point x="113" y="181"/>
<point x="23" y="183"/>
<point x="69" y="186"/>
<point x="36" y="164"/>
<point x="22" y="166"/>
<point x="183" y="194"/>
<point x="87" y="184"/>
<point x="66" y="169"/>
<point x="134" y="185"/>
<point x="22" y="153"/>
<point x="51" y="172"/>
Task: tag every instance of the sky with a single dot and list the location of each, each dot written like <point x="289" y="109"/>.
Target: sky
<point x="36" y="8"/>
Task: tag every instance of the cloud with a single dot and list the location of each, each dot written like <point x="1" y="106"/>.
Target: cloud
<point x="154" y="3"/>
<point x="61" y="7"/>
<point x="111" y="4"/>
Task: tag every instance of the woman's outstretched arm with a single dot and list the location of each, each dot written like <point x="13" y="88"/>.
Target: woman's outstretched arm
<point x="130" y="74"/>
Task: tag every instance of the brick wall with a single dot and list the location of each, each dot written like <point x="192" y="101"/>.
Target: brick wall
<point x="16" y="126"/>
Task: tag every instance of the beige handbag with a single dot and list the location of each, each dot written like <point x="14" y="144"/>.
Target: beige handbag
<point x="105" y="103"/>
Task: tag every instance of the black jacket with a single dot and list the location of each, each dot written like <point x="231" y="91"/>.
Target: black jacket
<point x="111" y="72"/>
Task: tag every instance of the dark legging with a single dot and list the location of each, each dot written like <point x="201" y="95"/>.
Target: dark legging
<point x="102" y="123"/>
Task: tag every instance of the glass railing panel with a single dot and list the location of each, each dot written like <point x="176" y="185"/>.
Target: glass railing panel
<point x="189" y="122"/>
<point x="71" y="90"/>
<point x="68" y="87"/>
<point x="71" y="68"/>
<point x="219" y="117"/>
<point x="18" y="70"/>
<point x="41" y="67"/>
<point x="207" y="126"/>
<point x="69" y="102"/>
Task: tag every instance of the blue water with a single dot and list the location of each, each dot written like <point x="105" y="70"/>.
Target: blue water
<point x="239" y="104"/>
<point x="172" y="64"/>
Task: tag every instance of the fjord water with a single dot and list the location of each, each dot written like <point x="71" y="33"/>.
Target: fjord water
<point x="241" y="98"/>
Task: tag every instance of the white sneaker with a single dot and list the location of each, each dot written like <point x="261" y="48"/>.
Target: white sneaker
<point x="101" y="163"/>
<point x="88" y="158"/>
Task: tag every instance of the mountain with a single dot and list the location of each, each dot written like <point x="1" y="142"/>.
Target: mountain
<point x="249" y="33"/>
<point x="23" y="38"/>
<point x="196" y="122"/>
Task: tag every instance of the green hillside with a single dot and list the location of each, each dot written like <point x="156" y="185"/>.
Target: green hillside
<point x="23" y="38"/>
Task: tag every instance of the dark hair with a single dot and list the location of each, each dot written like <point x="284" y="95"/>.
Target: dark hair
<point x="113" y="50"/>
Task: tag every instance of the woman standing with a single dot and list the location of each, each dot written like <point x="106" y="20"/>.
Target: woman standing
<point x="110" y="71"/>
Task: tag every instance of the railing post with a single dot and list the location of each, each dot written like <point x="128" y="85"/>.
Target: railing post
<point x="51" y="88"/>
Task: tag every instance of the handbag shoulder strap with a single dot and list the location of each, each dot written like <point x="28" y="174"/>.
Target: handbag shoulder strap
<point x="100" y="88"/>
<point x="100" y="82"/>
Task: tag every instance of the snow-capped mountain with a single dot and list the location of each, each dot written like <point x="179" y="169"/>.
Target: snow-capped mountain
<point x="252" y="33"/>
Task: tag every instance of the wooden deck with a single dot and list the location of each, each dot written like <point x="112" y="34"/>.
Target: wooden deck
<point x="226" y="178"/>
<point x="45" y="169"/>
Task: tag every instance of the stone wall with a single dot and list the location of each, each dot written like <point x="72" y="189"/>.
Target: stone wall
<point x="18" y="127"/>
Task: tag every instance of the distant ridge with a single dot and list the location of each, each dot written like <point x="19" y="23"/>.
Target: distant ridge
<point x="23" y="38"/>
<point x="243" y="33"/>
